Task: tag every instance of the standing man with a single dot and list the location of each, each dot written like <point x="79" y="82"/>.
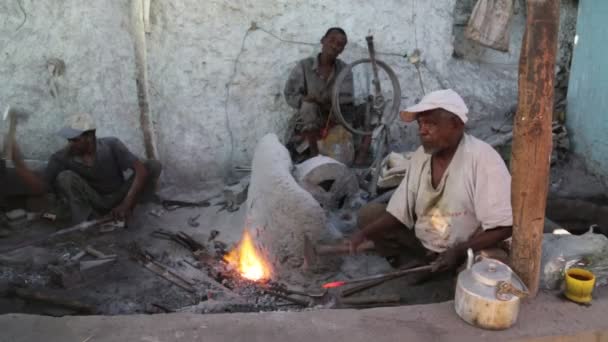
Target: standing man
<point x="310" y="85"/>
<point x="89" y="172"/>
<point x="456" y="193"/>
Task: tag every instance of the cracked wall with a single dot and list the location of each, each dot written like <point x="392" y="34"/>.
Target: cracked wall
<point x="215" y="85"/>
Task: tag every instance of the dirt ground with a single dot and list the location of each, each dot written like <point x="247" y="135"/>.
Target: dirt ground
<point x="125" y="287"/>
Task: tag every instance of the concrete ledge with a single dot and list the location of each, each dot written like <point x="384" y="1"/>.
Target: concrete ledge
<point x="546" y="317"/>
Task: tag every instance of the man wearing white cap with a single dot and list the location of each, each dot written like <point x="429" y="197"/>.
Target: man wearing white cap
<point x="456" y="193"/>
<point x="89" y="172"/>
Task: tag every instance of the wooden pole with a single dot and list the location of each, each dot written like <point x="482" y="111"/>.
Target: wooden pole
<point x="531" y="152"/>
<point x="141" y="76"/>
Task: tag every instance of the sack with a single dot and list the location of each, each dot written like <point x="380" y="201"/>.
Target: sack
<point x="393" y="169"/>
<point x="489" y="23"/>
<point x="338" y="144"/>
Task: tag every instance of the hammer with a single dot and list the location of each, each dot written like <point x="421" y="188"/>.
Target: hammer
<point x="311" y="252"/>
<point x="11" y="115"/>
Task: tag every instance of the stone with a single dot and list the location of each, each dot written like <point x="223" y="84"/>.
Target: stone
<point x="16" y="214"/>
<point x="279" y="211"/>
<point x="330" y="182"/>
<point x="236" y="194"/>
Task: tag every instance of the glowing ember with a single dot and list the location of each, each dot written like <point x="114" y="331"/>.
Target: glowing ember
<point x="333" y="284"/>
<point x="247" y="260"/>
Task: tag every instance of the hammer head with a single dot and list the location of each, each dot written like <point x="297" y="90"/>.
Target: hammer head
<point x="12" y="113"/>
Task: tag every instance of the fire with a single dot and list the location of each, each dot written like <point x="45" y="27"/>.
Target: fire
<point x="333" y="284"/>
<point x="246" y="259"/>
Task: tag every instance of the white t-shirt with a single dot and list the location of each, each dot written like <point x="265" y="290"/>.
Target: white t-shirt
<point x="474" y="192"/>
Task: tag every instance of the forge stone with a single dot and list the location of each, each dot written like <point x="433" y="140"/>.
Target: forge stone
<point x="279" y="211"/>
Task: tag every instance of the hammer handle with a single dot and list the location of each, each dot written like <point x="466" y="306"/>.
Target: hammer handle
<point x="343" y="248"/>
<point x="10" y="138"/>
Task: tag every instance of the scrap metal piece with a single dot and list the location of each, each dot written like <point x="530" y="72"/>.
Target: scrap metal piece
<point x="312" y="252"/>
<point x="212" y="235"/>
<point x="146" y="260"/>
<point x="193" y="221"/>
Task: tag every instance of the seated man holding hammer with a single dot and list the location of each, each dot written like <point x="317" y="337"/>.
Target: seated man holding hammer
<point x="88" y="172"/>
<point x="456" y="193"/>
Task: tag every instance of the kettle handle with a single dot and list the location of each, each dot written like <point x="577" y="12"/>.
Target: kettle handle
<point x="470" y="258"/>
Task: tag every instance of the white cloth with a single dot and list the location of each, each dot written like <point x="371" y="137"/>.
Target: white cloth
<point x="474" y="192"/>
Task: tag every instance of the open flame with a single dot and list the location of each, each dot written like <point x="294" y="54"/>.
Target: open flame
<point x="247" y="260"/>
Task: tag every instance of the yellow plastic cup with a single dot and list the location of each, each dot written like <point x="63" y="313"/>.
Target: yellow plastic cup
<point x="579" y="285"/>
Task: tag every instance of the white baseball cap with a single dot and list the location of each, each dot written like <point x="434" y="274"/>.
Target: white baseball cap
<point x="76" y="125"/>
<point x="445" y="99"/>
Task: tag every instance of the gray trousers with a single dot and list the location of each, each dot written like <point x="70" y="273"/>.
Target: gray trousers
<point x="403" y="245"/>
<point x="84" y="201"/>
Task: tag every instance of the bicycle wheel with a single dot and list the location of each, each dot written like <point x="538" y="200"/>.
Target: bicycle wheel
<point x="377" y="104"/>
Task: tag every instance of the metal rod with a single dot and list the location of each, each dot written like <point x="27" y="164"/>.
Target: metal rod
<point x="382" y="276"/>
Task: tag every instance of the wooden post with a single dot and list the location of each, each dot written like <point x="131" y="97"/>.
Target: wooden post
<point x="141" y="77"/>
<point x="531" y="152"/>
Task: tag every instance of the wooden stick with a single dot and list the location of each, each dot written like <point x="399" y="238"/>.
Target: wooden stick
<point x="532" y="138"/>
<point x="342" y="248"/>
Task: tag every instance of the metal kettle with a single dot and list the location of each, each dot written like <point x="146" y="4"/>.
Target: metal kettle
<point x="488" y="293"/>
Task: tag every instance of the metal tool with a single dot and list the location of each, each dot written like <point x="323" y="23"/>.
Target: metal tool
<point x="312" y="252"/>
<point x="378" y="277"/>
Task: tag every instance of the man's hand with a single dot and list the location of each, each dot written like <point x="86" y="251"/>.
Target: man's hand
<point x="355" y="241"/>
<point x="122" y="211"/>
<point x="448" y="260"/>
